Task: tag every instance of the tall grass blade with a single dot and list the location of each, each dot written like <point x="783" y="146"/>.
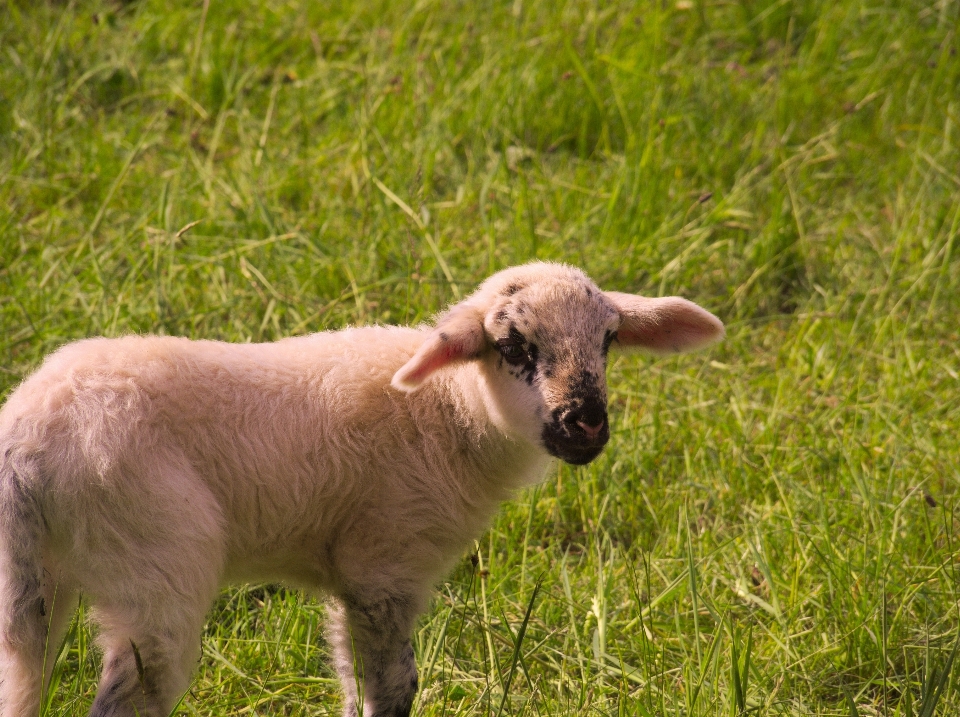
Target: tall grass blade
<point x="851" y="704"/>
<point x="934" y="684"/>
<point x="704" y="668"/>
<point x="518" y="644"/>
<point x="736" y="678"/>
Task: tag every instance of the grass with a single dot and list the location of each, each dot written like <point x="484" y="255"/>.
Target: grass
<point x="773" y="528"/>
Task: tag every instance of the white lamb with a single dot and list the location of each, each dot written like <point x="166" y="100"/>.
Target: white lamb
<point x="146" y="472"/>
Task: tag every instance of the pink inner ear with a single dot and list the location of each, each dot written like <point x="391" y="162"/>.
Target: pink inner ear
<point x="665" y="325"/>
<point x="434" y="358"/>
<point x="458" y="337"/>
<point x="674" y="337"/>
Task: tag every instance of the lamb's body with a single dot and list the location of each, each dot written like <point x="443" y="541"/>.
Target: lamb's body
<point x="181" y="466"/>
<point x="145" y="472"/>
<point x="323" y="448"/>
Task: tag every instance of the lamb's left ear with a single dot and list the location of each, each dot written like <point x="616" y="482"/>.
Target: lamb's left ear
<point x="458" y="336"/>
<point x="665" y="325"/>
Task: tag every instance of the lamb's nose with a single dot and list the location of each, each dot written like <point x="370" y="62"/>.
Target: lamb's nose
<point x="591" y="431"/>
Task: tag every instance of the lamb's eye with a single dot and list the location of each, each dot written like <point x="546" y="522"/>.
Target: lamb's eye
<point x="513" y="353"/>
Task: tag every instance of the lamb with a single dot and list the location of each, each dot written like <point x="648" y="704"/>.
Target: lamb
<point x="145" y="472"/>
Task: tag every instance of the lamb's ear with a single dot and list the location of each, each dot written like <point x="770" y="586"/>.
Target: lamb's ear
<point x="458" y="336"/>
<point x="666" y="325"/>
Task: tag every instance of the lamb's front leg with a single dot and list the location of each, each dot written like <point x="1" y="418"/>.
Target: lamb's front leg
<point x="373" y="655"/>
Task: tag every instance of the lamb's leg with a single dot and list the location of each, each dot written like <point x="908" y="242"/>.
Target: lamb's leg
<point x="149" y="656"/>
<point x="21" y="661"/>
<point x="149" y="627"/>
<point x="373" y="655"/>
<point x="151" y="586"/>
<point x="36" y="600"/>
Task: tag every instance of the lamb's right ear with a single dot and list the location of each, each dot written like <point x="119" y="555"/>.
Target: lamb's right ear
<point x="458" y="336"/>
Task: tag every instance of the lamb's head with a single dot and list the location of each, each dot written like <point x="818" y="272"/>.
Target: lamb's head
<point x="540" y="334"/>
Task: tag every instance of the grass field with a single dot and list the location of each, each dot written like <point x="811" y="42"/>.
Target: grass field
<point x="772" y="529"/>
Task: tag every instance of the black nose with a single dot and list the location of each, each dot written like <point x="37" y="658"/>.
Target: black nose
<point x="589" y="419"/>
<point x="578" y="434"/>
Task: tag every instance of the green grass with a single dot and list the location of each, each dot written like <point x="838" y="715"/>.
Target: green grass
<point x="772" y="529"/>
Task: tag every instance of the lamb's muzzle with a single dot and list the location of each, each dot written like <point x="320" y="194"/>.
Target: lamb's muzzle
<point x="577" y="432"/>
<point x="146" y="472"/>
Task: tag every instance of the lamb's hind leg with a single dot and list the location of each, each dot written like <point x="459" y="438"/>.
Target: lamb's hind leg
<point x="373" y="655"/>
<point x="36" y="604"/>
<point x="149" y="655"/>
<point x="150" y="626"/>
<point x="22" y="637"/>
<point x="151" y="586"/>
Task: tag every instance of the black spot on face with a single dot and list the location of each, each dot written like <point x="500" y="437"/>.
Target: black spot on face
<point x="520" y="354"/>
<point x="530" y="367"/>
<point x="512" y="289"/>
<point x="546" y="367"/>
<point x="500" y="316"/>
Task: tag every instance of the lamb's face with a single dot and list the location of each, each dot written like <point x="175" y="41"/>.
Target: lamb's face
<point x="540" y="335"/>
<point x="548" y="339"/>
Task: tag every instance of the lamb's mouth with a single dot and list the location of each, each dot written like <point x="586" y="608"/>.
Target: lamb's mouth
<point x="575" y="450"/>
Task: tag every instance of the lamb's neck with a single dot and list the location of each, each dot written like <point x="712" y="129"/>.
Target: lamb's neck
<point x="503" y="456"/>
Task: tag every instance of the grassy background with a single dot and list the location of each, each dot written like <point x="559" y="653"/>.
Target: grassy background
<point x="772" y="529"/>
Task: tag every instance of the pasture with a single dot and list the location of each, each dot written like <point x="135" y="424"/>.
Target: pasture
<point x="772" y="529"/>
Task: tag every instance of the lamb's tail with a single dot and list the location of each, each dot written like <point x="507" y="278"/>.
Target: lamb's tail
<point x="23" y="623"/>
